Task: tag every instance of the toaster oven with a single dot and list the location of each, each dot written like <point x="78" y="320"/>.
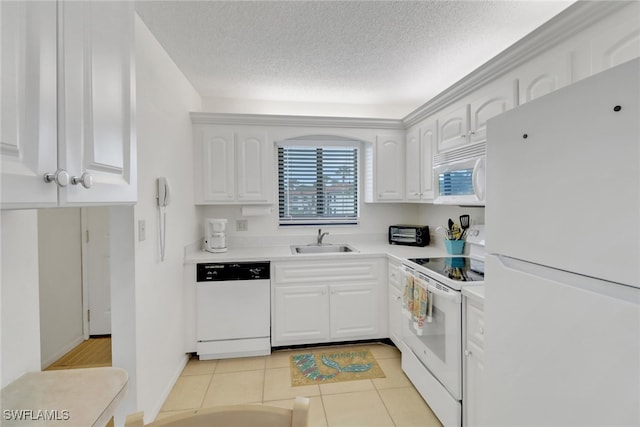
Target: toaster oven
<point x="410" y="235"/>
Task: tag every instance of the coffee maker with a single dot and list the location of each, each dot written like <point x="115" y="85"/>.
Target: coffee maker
<point x="214" y="238"/>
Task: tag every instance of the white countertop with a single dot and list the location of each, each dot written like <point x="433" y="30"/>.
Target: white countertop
<point x="283" y="253"/>
<point x="70" y="397"/>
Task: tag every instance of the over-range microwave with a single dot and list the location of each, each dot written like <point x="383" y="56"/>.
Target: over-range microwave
<point x="460" y="175"/>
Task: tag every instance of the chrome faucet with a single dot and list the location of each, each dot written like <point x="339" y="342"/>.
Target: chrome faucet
<point x="321" y="235"/>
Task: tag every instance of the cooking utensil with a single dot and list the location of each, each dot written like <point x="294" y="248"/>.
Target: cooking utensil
<point x="464" y="224"/>
<point x="450" y="224"/>
<point x="446" y="232"/>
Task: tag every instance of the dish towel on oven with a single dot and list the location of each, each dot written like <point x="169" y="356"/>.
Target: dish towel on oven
<point x="419" y="305"/>
<point x="414" y="302"/>
<point x="407" y="296"/>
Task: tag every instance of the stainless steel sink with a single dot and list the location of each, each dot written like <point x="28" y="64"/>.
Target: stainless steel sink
<point x="321" y="249"/>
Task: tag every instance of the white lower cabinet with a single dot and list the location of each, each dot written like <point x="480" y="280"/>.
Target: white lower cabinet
<point x="327" y="301"/>
<point x="395" y="303"/>
<point x="351" y="309"/>
<point x="302" y="314"/>
<point x="473" y="364"/>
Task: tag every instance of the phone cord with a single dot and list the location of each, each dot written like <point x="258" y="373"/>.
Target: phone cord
<point x="162" y="219"/>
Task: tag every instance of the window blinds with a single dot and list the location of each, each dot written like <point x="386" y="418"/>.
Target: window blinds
<point x="318" y="185"/>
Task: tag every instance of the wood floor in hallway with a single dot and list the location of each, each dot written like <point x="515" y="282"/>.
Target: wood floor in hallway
<point x="92" y="353"/>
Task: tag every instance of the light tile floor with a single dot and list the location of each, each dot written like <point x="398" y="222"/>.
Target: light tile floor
<point x="389" y="401"/>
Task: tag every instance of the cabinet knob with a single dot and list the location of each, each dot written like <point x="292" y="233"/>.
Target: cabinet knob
<point x="481" y="331"/>
<point x="398" y="298"/>
<point x="60" y="177"/>
<point x="467" y="353"/>
<point x="86" y="180"/>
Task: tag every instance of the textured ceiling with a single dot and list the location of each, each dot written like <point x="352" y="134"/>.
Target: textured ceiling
<point x="352" y="52"/>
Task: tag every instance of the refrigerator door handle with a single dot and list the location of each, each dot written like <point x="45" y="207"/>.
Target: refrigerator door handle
<point x="612" y="289"/>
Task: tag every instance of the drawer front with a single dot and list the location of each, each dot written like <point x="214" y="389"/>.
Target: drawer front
<point x="395" y="275"/>
<point x="475" y="322"/>
<point x="295" y="273"/>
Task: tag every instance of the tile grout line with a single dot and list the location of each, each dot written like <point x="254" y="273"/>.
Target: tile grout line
<point x="384" y="404"/>
<point x="209" y="386"/>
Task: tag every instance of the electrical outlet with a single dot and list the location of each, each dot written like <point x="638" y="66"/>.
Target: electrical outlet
<point x="142" y="230"/>
<point x="242" y="225"/>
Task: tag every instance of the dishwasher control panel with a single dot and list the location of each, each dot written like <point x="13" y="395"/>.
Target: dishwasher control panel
<point x="223" y="271"/>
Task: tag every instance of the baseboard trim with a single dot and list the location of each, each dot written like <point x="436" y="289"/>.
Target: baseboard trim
<point x="151" y="416"/>
<point x="44" y="364"/>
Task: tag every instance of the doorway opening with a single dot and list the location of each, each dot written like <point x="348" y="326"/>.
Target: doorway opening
<point x="75" y="287"/>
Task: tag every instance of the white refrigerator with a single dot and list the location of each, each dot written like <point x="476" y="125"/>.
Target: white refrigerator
<point x="562" y="276"/>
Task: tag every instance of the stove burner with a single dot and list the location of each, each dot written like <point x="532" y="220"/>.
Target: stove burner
<point x="460" y="269"/>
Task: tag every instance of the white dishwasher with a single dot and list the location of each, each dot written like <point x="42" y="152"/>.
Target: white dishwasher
<point x="233" y="309"/>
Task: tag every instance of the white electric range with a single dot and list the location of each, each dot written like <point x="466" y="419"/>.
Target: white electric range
<point x="433" y="355"/>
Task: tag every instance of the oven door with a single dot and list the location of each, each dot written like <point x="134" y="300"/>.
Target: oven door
<point x="439" y="347"/>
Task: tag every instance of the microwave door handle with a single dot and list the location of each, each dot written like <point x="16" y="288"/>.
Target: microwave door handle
<point x="429" y="317"/>
<point x="475" y="182"/>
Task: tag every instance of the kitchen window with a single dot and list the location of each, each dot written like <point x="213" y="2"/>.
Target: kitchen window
<point x="318" y="184"/>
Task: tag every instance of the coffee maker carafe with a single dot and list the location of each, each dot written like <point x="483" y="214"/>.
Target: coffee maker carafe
<point x="214" y="235"/>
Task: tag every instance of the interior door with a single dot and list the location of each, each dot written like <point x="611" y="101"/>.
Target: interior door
<point x="97" y="274"/>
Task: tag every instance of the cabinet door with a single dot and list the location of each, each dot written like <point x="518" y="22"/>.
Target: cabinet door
<point x="253" y="166"/>
<point x="474" y="384"/>
<point x="395" y="316"/>
<point x="301" y="314"/>
<point x="215" y="171"/>
<point x="389" y="168"/>
<point x="543" y="75"/>
<point x="412" y="168"/>
<point x="473" y="362"/>
<point x="616" y="45"/>
<point x="490" y="101"/>
<point x="453" y="127"/>
<point x="353" y="311"/>
<point x="96" y="138"/>
<point x="428" y="139"/>
<point x="28" y="122"/>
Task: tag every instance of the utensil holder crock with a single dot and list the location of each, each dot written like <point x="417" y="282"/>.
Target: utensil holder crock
<point x="454" y="247"/>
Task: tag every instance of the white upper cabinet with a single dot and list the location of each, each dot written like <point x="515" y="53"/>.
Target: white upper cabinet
<point x="254" y="174"/>
<point x="453" y="126"/>
<point x="214" y="165"/>
<point x="385" y="182"/>
<point x="419" y="161"/>
<point x="28" y="123"/>
<point x="67" y="104"/>
<point x="232" y="166"/>
<point x="543" y="75"/>
<point x="97" y="135"/>
<point x="619" y="43"/>
<point x="490" y="101"/>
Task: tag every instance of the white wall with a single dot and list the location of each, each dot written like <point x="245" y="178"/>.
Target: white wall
<point x="164" y="100"/>
<point x="374" y="222"/>
<point x="60" y="261"/>
<point x="20" y="314"/>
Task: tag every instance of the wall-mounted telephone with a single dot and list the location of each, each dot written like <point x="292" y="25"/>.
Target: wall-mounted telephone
<point x="163" y="200"/>
<point x="163" y="192"/>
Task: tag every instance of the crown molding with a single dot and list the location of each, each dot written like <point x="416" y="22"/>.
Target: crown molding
<point x="572" y="20"/>
<point x="296" y="121"/>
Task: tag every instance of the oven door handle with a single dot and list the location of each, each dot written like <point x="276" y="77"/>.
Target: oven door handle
<point x="452" y="296"/>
